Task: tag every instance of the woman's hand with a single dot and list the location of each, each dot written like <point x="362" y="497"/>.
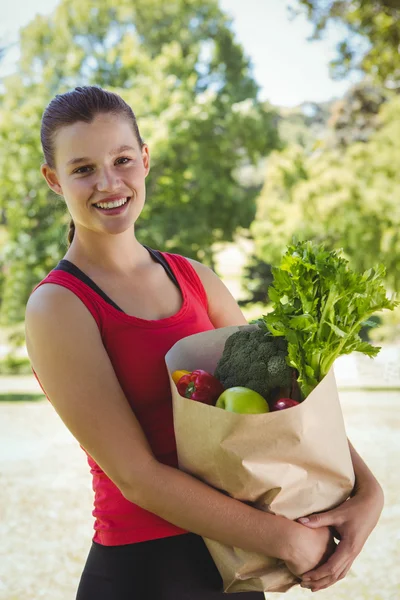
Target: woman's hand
<point x="308" y="548"/>
<point x="352" y="523"/>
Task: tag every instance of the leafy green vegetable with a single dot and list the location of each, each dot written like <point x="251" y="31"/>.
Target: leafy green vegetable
<point x="320" y="305"/>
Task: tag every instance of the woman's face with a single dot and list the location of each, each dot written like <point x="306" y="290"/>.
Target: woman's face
<point x="100" y="162"/>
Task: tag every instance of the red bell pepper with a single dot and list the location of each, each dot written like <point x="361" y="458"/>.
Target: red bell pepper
<point x="201" y="386"/>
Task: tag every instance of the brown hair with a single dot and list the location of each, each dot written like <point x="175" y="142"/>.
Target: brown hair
<point x="81" y="104"/>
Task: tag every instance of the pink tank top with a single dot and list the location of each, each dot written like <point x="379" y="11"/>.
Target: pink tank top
<point x="137" y="348"/>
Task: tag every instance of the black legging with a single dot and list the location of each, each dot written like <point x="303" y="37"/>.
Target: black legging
<point x="174" y="568"/>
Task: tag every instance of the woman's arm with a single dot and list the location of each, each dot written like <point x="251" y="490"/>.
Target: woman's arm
<point x="354" y="521"/>
<point x="73" y="366"/>
<point x="223" y="309"/>
<point x="366" y="483"/>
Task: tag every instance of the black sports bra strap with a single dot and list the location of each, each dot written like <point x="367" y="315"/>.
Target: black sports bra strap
<point x="69" y="267"/>
<point x="159" y="257"/>
<point x="66" y="265"/>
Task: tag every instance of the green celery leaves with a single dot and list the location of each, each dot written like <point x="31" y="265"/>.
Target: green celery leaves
<point x="319" y="306"/>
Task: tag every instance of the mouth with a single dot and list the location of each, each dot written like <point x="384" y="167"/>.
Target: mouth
<point x="113" y="206"/>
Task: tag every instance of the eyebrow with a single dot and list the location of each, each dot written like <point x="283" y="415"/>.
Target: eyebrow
<point x="75" y="161"/>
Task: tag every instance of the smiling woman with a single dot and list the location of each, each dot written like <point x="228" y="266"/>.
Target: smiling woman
<point x="98" y="328"/>
<point x="85" y="158"/>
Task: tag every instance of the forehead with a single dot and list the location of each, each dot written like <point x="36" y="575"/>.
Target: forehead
<point x="95" y="139"/>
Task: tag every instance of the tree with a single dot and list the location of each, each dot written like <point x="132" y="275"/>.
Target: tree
<point x="35" y="219"/>
<point x="278" y="214"/>
<point x="373" y="36"/>
<point x="303" y="129"/>
<point x="355" y="117"/>
<point x="346" y="199"/>
<point x="178" y="65"/>
<point x="258" y="277"/>
<point x="305" y="125"/>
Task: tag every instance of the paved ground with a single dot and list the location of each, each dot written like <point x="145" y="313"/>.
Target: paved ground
<point x="46" y="502"/>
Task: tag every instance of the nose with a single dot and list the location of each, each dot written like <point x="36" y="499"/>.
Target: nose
<point x="107" y="180"/>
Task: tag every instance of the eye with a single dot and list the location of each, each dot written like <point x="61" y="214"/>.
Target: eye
<point x="82" y="170"/>
<point x="123" y="160"/>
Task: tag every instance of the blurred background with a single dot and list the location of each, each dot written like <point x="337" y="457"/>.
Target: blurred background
<point x="265" y="119"/>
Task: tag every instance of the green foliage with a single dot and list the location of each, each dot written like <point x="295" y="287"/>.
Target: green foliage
<point x="304" y="125"/>
<point x="34" y="216"/>
<point x="278" y="215"/>
<point x="319" y="306"/>
<point x="365" y="331"/>
<point x="372" y="35"/>
<point x="303" y="130"/>
<point x="388" y="330"/>
<point x="258" y="277"/>
<point x="15" y="365"/>
<point x="179" y="67"/>
<point x="11" y="397"/>
<point x="346" y="199"/>
<point x="356" y="116"/>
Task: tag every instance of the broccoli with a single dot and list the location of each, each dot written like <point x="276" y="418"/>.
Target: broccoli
<point x="255" y="359"/>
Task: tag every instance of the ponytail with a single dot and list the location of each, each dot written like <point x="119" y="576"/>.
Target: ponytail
<point x="71" y="232"/>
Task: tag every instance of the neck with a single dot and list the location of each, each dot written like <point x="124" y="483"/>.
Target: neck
<point x="118" y="254"/>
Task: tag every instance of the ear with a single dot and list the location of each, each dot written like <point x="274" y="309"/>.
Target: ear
<point x="146" y="158"/>
<point x="50" y="176"/>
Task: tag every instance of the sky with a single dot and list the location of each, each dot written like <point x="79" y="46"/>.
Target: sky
<point x="289" y="68"/>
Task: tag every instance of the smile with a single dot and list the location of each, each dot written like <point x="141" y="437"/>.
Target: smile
<point x="113" y="204"/>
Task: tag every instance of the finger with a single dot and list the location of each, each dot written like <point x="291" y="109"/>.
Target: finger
<point x="315" y="586"/>
<point x="325" y="583"/>
<point x="333" y="565"/>
<point x="326" y="519"/>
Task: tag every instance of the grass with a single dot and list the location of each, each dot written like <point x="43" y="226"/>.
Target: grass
<point x="367" y="388"/>
<point x="11" y="397"/>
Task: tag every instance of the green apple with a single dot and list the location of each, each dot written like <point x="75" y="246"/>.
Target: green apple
<point x="242" y="400"/>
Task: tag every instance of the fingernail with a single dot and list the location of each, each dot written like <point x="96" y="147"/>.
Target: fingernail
<point x="304" y="520"/>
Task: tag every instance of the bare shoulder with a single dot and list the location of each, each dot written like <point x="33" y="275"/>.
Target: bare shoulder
<point x="48" y="296"/>
<point x="202" y="270"/>
<point x="223" y="309"/>
<point x="53" y="304"/>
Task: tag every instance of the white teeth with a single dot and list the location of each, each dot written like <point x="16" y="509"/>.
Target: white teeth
<point x="114" y="204"/>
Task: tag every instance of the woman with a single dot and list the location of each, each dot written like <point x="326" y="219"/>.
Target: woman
<point x="97" y="330"/>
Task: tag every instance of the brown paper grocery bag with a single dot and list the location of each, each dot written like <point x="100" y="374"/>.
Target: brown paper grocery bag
<point x="292" y="462"/>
